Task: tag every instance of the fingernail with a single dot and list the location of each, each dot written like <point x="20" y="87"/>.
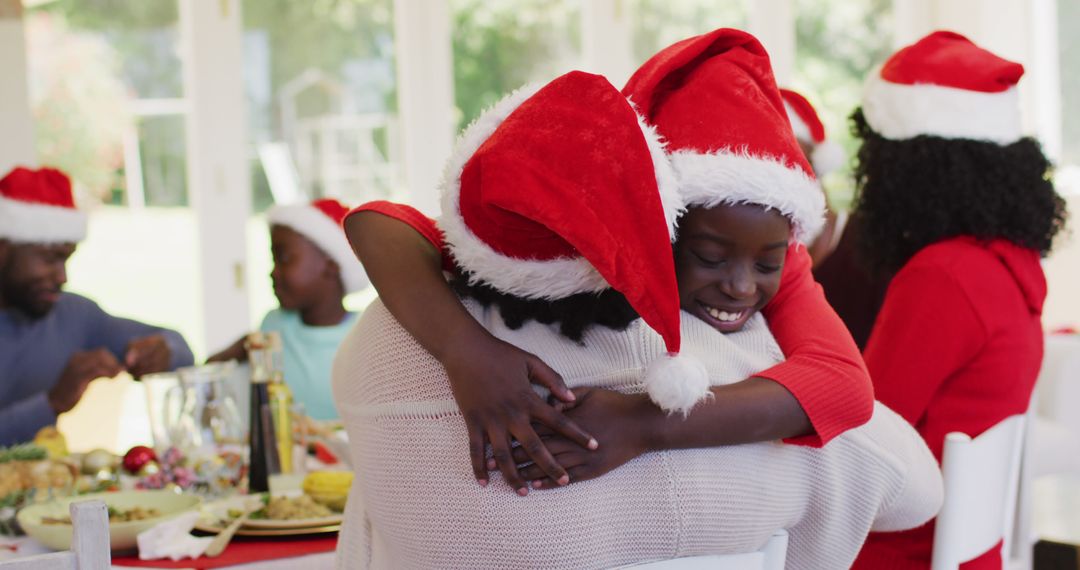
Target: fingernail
<point x="571" y="396"/>
<point x="491" y="464"/>
<point x="593" y="444"/>
<point x="523" y="491"/>
<point x="483" y="482"/>
<point x="564" y="480"/>
<point x="537" y="484"/>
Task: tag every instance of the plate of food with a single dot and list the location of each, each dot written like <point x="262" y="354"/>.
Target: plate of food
<point x="317" y="509"/>
<point x="130" y="513"/>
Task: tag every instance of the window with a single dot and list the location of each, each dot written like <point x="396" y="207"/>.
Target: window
<point x="660" y="23"/>
<point x="320" y="85"/>
<point x="106" y="91"/>
<point x="500" y="46"/>
<point x="838" y="45"/>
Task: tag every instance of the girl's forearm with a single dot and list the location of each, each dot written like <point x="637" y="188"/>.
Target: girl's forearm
<point x="756" y="409"/>
<point x="406" y="270"/>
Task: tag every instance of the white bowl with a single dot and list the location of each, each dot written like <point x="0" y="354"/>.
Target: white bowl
<point x="121" y="534"/>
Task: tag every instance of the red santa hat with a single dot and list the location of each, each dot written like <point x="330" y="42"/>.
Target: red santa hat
<point x="562" y="190"/>
<point x="320" y="222"/>
<point x="826" y="155"/>
<point x="945" y="86"/>
<point x="714" y="100"/>
<point x="37" y="206"/>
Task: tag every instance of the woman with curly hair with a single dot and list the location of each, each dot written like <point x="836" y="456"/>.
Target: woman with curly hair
<point x="959" y="208"/>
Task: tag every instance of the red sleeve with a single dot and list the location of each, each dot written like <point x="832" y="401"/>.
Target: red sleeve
<point x="911" y="324"/>
<point x="423" y="225"/>
<point x="823" y="370"/>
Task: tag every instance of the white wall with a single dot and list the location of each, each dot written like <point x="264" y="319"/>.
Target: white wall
<point x="16" y="122"/>
<point x="425" y="79"/>
<point x="217" y="157"/>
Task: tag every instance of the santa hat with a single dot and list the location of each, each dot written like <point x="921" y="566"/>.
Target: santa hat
<point x="826" y="155"/>
<point x="562" y="190"/>
<point x="945" y="86"/>
<point x="37" y="206"/>
<point x="714" y="100"/>
<point x="320" y="222"/>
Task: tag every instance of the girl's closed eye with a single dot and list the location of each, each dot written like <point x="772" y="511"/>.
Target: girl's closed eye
<point x="709" y="259"/>
<point x="767" y="267"/>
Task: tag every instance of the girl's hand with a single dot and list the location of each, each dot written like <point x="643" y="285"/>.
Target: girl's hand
<point x="491" y="380"/>
<point x="619" y="421"/>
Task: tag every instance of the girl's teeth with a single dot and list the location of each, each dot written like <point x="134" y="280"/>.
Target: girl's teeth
<point x="723" y="315"/>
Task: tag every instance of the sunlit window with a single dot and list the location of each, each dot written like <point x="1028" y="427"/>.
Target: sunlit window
<point x="838" y="45"/>
<point x="659" y="23"/>
<point x="320" y="85"/>
<point x="106" y="91"/>
<point x="500" y="46"/>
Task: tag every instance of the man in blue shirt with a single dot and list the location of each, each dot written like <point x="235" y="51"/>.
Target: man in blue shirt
<point x="53" y="344"/>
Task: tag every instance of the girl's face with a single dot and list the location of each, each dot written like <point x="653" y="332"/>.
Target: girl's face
<point x="728" y="261"/>
<point x="302" y="272"/>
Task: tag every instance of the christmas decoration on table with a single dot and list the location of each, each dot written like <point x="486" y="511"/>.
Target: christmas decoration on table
<point x="171" y="471"/>
<point x="210" y="474"/>
<point x="99" y="463"/>
<point x="137" y="457"/>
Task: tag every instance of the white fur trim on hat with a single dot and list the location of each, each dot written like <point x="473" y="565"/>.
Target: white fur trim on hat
<point x="25" y="222"/>
<point x="677" y="382"/>
<point x="531" y="278"/>
<point x="901" y="112"/>
<point x="827" y="157"/>
<point x="313" y="224"/>
<point x="802" y="132"/>
<point x="731" y="176"/>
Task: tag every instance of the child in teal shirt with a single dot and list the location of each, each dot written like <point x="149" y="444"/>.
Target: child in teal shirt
<point x="314" y="268"/>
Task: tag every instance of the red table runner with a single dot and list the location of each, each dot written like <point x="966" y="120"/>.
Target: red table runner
<point x="241" y="551"/>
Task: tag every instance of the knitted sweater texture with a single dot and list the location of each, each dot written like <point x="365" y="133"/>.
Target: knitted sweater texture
<point x="415" y="504"/>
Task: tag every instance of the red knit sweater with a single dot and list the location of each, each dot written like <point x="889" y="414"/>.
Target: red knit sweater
<point x="823" y="370"/>
<point x="957" y="347"/>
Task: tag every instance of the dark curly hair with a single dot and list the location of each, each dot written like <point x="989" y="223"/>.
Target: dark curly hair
<point x="574" y="314"/>
<point x="915" y="192"/>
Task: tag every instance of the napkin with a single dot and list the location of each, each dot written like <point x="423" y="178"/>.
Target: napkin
<point x="172" y="539"/>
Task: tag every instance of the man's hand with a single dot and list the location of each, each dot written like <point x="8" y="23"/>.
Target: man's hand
<point x="147" y="355"/>
<point x="81" y="368"/>
<point x="620" y="423"/>
<point x="492" y="381"/>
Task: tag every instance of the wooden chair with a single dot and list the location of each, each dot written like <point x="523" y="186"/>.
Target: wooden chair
<point x="772" y="556"/>
<point x="981" y="484"/>
<point x="89" y="543"/>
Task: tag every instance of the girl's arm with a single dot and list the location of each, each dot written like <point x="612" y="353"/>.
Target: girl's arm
<point x="401" y="252"/>
<point x="824" y="370"/>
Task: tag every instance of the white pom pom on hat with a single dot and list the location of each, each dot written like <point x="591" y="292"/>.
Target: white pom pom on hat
<point x="826" y="156"/>
<point x="677" y="382"/>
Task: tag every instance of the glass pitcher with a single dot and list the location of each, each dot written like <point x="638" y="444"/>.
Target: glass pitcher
<point x="200" y="411"/>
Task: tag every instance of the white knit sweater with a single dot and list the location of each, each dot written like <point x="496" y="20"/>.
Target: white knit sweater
<point x="415" y="504"/>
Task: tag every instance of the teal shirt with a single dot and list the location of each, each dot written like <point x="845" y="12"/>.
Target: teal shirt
<point x="309" y="355"/>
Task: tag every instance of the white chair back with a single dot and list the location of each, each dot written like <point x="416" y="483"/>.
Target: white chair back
<point x="89" y="543"/>
<point x="772" y="556"/>
<point x="981" y="483"/>
<point x="1022" y="555"/>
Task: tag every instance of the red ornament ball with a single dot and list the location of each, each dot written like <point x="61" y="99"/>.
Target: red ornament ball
<point x="137" y="457"/>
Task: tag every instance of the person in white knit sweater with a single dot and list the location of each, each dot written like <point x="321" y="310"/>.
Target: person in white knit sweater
<point x="411" y="506"/>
